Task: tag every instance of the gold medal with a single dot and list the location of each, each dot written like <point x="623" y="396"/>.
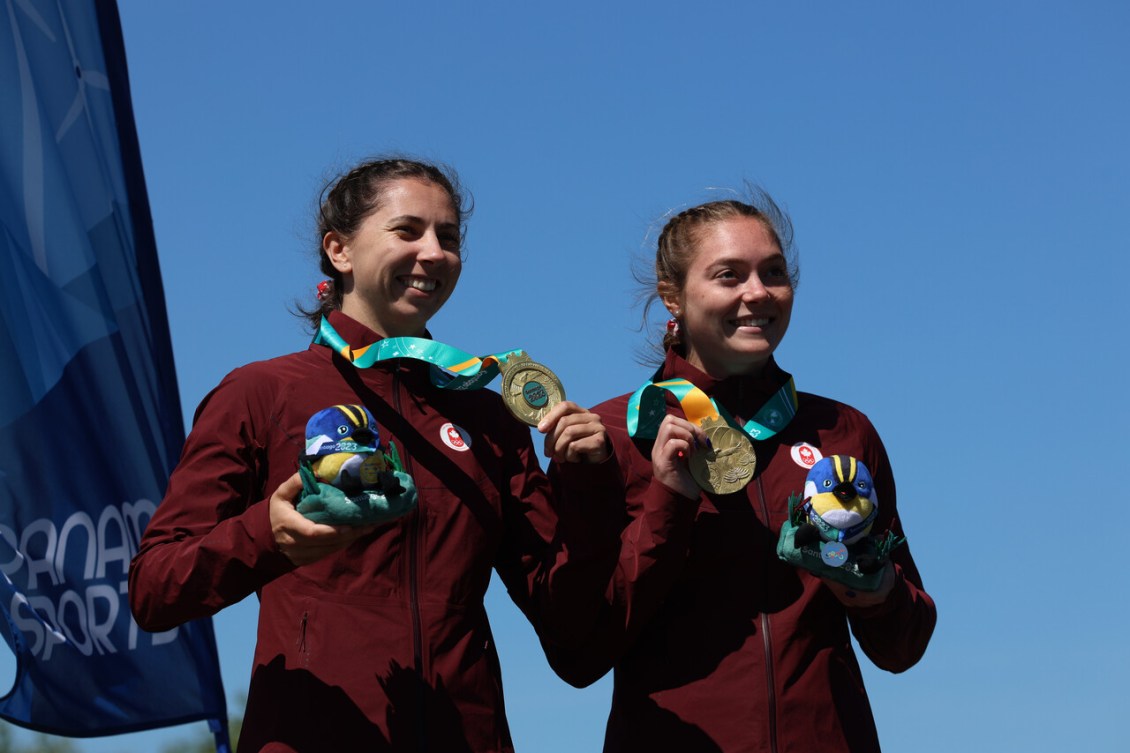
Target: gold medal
<point x="729" y="466"/>
<point x="529" y="389"/>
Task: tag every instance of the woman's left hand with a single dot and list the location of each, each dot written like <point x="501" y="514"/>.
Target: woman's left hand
<point x="850" y="597"/>
<point x="573" y="434"/>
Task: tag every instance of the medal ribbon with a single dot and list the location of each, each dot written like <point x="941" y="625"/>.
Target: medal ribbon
<point x="451" y="368"/>
<point x="646" y="409"/>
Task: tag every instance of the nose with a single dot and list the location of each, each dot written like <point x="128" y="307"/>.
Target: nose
<point x="755" y="290"/>
<point x="430" y="248"/>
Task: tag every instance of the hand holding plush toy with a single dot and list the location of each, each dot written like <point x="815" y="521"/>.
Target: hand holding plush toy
<point x="828" y="531"/>
<point x="347" y="479"/>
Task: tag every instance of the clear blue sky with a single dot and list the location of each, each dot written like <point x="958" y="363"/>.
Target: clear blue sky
<point x="959" y="179"/>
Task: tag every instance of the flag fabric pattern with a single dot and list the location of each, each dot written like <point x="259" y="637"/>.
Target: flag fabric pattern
<point x="90" y="419"/>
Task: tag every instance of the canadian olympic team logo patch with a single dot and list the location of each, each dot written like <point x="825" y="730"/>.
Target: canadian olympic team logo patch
<point x="455" y="437"/>
<point x="805" y="455"/>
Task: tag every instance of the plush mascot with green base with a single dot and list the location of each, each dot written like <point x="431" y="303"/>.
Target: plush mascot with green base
<point x="347" y="478"/>
<point x="828" y="531"/>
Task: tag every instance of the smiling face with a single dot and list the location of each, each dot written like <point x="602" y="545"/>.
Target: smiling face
<point x="402" y="264"/>
<point x="736" y="301"/>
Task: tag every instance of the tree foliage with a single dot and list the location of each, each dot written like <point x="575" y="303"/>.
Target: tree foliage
<point x="204" y="742"/>
<point x="200" y="742"/>
<point x="40" y="743"/>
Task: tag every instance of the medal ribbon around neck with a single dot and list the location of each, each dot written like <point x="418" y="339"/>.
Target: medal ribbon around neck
<point x="454" y="369"/>
<point x="646" y="409"/>
<point x="730" y="462"/>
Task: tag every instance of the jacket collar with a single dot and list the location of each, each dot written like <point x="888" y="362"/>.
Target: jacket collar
<point x="742" y="396"/>
<point x="355" y="333"/>
<point x="358" y="336"/>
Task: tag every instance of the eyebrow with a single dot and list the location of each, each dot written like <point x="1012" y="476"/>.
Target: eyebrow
<point x="420" y="221"/>
<point x="729" y="261"/>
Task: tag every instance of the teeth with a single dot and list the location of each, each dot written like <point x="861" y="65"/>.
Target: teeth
<point x="749" y="321"/>
<point x="420" y="283"/>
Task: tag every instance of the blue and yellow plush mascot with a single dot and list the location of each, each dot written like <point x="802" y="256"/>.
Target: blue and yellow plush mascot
<point x="347" y="478"/>
<point x="828" y="530"/>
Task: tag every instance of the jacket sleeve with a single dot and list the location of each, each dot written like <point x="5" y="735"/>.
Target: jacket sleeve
<point x="589" y="508"/>
<point x="894" y="634"/>
<point x="633" y="536"/>
<point x="209" y="544"/>
<point x="536" y="559"/>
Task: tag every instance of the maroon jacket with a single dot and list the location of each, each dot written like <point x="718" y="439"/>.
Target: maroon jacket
<point x="385" y="646"/>
<point x="717" y="644"/>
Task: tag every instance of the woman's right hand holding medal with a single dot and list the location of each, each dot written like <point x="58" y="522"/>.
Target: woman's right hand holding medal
<point x="676" y="439"/>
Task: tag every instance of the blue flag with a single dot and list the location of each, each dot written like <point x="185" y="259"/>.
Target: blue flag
<point x="90" y="420"/>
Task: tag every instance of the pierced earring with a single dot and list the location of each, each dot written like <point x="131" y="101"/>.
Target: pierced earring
<point x="325" y="289"/>
<point x="673" y="327"/>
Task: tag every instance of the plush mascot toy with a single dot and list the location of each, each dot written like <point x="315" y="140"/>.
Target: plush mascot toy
<point x="347" y="478"/>
<point x="828" y="531"/>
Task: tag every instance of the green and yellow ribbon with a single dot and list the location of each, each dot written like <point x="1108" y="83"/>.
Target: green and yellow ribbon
<point x="647" y="407"/>
<point x="451" y="368"/>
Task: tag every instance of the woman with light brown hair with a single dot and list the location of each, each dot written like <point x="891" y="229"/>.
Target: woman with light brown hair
<point x="716" y="643"/>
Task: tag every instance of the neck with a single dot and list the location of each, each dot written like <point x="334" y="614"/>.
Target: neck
<point x="362" y="315"/>
<point x="724" y="370"/>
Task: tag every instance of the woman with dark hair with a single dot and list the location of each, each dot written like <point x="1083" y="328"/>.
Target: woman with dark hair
<point x="371" y="637"/>
<point x="716" y="642"/>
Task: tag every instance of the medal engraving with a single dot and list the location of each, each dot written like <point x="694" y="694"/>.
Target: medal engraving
<point x="529" y="389"/>
<point x="729" y="466"/>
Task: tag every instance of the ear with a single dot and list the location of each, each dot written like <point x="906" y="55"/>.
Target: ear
<point x="671" y="299"/>
<point x="334" y="245"/>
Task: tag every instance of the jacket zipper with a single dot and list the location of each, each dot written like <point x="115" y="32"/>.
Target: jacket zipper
<point x="302" y="639"/>
<point x="413" y="576"/>
<point x="767" y="642"/>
